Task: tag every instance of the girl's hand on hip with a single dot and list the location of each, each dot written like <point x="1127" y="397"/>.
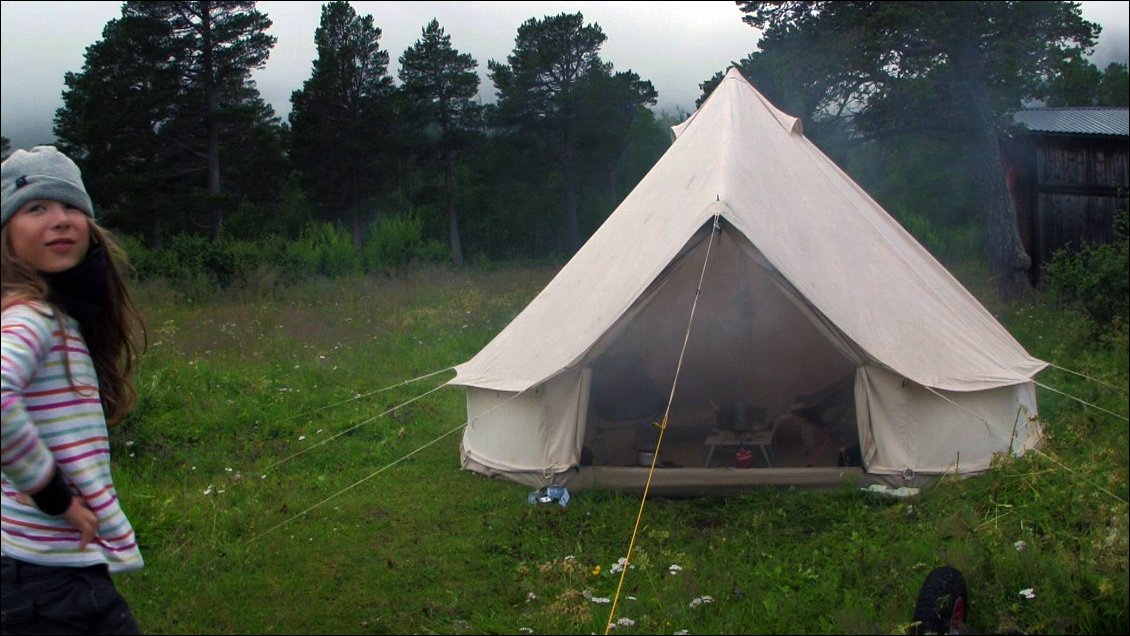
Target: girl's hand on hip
<point x="82" y="517"/>
<point x="78" y="515"/>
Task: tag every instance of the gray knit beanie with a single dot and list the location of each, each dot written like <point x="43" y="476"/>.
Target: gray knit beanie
<point x="41" y="173"/>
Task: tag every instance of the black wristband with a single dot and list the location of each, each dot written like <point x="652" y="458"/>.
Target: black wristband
<point x="55" y="497"/>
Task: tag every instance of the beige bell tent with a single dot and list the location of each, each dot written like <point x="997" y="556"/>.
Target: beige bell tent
<point x="822" y="332"/>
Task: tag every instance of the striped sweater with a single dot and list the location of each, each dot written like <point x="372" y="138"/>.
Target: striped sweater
<point x="51" y="419"/>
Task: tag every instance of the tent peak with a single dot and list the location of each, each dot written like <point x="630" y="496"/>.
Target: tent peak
<point x="792" y="125"/>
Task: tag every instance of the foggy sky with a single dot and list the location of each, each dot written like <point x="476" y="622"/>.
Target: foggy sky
<point x="675" y="45"/>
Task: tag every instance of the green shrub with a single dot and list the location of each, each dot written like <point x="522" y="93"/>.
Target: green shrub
<point x="323" y="249"/>
<point x="136" y="252"/>
<point x="1093" y="278"/>
<point x="950" y="245"/>
<point x="295" y="209"/>
<point x="395" y="241"/>
<point x="200" y="262"/>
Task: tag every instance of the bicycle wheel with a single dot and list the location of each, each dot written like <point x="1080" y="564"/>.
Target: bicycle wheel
<point x="942" y="603"/>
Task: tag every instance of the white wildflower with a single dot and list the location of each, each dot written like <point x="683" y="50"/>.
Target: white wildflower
<point x="675" y="569"/>
<point x="1020" y="545"/>
<point x="625" y="622"/>
<point x="301" y="437"/>
<point x="682" y="632"/>
<point x="1028" y="593"/>
<point x="601" y="600"/>
<point x="209" y="491"/>
<point x="619" y="565"/>
<point x="530" y="597"/>
<point x="701" y="600"/>
<point x="525" y="630"/>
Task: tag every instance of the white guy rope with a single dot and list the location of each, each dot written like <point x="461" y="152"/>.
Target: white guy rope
<point x="935" y="392"/>
<point x="1082" y="401"/>
<point x="355" y="484"/>
<point x="1068" y="469"/>
<point x="386" y="466"/>
<point x="365" y="395"/>
<point x="1122" y="390"/>
<point x="352" y="428"/>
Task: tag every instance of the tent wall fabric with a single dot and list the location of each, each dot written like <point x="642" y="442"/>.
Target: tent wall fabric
<point x="809" y="285"/>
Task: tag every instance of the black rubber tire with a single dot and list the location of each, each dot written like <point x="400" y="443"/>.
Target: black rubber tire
<point x="942" y="603"/>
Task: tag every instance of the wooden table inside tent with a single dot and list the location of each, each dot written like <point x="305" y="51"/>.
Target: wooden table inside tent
<point x="762" y="439"/>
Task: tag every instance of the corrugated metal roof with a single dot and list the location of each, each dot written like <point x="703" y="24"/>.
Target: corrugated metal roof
<point x="1095" y="120"/>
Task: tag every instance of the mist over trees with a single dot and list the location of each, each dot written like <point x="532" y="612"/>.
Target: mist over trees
<point x="162" y="96"/>
<point x="175" y="140"/>
<point x="555" y="83"/>
<point x="343" y="119"/>
<point x="943" y="72"/>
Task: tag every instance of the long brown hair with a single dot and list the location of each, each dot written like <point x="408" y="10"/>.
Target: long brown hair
<point x="115" y="339"/>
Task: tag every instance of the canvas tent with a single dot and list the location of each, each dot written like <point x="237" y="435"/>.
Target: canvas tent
<point x="816" y="312"/>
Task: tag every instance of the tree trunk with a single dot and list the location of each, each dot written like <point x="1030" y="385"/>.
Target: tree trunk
<point x="154" y="242"/>
<point x="452" y="213"/>
<point x="212" y="123"/>
<point x="1009" y="263"/>
<point x="572" y="229"/>
<point x="357" y="229"/>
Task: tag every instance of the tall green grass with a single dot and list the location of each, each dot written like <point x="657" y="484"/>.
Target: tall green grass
<point x="273" y="492"/>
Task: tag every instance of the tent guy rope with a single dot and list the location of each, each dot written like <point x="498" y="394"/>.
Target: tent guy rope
<point x="1081" y="401"/>
<point x="662" y="426"/>
<point x="1122" y="390"/>
<point x="364" y="422"/>
<point x="386" y="466"/>
<point x="365" y="395"/>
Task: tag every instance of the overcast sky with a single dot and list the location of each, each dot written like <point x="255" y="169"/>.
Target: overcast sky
<point x="675" y="45"/>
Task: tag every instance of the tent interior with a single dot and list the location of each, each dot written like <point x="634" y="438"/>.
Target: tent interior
<point x="763" y="382"/>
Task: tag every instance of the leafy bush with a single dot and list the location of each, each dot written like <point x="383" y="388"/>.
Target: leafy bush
<point x="136" y="253"/>
<point x="395" y="241"/>
<point x="323" y="249"/>
<point x="1094" y="278"/>
<point x="200" y="262"/>
<point x="949" y="244"/>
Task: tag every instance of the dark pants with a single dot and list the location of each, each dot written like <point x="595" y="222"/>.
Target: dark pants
<point x="40" y="599"/>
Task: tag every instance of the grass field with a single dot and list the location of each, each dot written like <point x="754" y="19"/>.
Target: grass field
<point x="274" y="490"/>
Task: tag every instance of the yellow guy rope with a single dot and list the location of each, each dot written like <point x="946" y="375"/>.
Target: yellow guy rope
<point x="662" y="427"/>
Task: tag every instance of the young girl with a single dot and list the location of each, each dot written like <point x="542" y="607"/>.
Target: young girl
<point x="68" y="353"/>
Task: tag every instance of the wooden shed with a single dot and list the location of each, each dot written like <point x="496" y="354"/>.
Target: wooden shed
<point x="1067" y="172"/>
